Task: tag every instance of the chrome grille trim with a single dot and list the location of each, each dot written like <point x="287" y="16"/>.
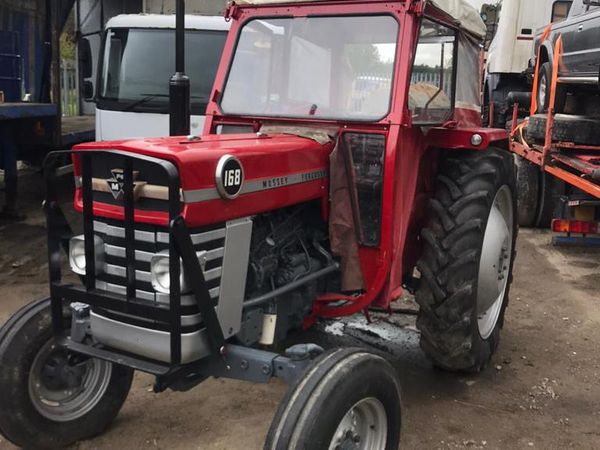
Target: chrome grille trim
<point x="122" y="290"/>
<point x="119" y="232"/>
<point x="121" y="272"/>
<point x="119" y="252"/>
<point x="145" y="257"/>
<point x="162" y="237"/>
<point x="186" y="300"/>
<point x="197" y="238"/>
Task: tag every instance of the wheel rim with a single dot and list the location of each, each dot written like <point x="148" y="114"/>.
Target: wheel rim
<point x="364" y="427"/>
<point x="64" y="386"/>
<point x="542" y="91"/>
<point x="494" y="266"/>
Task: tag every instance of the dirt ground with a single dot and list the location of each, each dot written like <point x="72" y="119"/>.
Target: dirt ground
<point x="542" y="389"/>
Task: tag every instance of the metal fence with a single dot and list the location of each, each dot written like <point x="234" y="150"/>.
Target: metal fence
<point x="433" y="78"/>
<point x="68" y="88"/>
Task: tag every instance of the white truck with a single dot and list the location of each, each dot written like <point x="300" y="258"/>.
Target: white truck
<point x="508" y="66"/>
<point x="135" y="63"/>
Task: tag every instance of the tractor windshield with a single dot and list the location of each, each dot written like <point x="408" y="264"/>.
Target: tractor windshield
<point x="313" y="67"/>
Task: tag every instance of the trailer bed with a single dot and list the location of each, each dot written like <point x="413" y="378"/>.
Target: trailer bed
<point x="577" y="165"/>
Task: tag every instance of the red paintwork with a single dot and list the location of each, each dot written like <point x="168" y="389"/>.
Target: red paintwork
<point x="410" y="155"/>
<point x="197" y="163"/>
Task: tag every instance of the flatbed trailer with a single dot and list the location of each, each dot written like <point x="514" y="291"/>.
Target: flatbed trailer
<point x="37" y="126"/>
<point x="576" y="165"/>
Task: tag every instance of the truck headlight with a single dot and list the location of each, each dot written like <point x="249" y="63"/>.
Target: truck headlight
<point x="77" y="254"/>
<point x="161" y="276"/>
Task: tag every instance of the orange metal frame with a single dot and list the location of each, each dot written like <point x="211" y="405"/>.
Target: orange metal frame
<point x="547" y="156"/>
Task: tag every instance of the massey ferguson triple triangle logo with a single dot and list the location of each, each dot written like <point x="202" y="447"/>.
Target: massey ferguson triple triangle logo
<point x="116" y="183"/>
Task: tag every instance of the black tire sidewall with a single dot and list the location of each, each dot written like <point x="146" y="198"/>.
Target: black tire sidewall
<point x="354" y="377"/>
<point x="20" y="422"/>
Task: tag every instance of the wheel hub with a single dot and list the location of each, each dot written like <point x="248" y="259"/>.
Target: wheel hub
<point x="64" y="386"/>
<point x="62" y="372"/>
<point x="542" y="90"/>
<point x="494" y="266"/>
<point x="364" y="427"/>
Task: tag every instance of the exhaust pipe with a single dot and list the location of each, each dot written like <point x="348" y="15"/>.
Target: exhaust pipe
<point x="179" y="84"/>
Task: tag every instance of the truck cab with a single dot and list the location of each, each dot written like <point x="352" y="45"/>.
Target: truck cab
<point x="508" y="60"/>
<point x="136" y="62"/>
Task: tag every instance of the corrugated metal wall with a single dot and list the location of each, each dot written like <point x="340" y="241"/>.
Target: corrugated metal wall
<point x="26" y="19"/>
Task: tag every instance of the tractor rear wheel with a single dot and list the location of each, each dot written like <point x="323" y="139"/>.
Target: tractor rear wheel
<point x="349" y="398"/>
<point x="51" y="397"/>
<point x="468" y="254"/>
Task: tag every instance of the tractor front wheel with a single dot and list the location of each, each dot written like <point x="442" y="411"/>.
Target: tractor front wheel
<point x="347" y="399"/>
<point x="467" y="260"/>
<point x="51" y="397"/>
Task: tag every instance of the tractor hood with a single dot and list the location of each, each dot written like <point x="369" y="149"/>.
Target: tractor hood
<point x="222" y="177"/>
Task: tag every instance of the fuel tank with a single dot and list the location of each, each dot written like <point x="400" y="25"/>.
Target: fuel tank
<point x="222" y="177"/>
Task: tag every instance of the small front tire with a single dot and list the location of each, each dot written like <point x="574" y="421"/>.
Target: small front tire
<point x="349" y="398"/>
<point x="51" y="397"/>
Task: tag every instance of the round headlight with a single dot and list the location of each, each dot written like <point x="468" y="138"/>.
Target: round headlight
<point x="77" y="255"/>
<point x="161" y="277"/>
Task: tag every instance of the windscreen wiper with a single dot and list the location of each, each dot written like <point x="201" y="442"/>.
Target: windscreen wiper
<point x="150" y="97"/>
<point x="141" y="101"/>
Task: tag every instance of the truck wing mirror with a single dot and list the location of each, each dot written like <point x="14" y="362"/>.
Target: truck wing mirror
<point x="87" y="90"/>
<point x="84" y="56"/>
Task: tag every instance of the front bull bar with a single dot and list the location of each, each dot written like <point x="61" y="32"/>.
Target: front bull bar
<point x="225" y="360"/>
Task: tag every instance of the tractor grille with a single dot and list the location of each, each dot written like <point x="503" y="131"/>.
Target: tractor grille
<point x="150" y="240"/>
<point x="145" y="173"/>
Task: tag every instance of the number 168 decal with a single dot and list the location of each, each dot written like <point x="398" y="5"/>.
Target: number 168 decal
<point x="229" y="176"/>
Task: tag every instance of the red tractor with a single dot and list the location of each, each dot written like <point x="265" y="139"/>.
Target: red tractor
<point x="342" y="161"/>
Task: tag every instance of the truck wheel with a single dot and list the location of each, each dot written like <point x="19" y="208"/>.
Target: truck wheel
<point x="551" y="189"/>
<point x="51" y="397"/>
<point x="528" y="191"/>
<point x="544" y="90"/>
<point x="468" y="254"/>
<point x="567" y="128"/>
<point x="348" y="399"/>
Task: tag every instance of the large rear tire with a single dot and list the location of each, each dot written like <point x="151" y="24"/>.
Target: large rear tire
<point x="468" y="254"/>
<point x="50" y="397"/>
<point x="349" y="398"/>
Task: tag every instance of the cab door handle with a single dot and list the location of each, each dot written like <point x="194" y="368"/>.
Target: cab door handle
<point x="580" y="28"/>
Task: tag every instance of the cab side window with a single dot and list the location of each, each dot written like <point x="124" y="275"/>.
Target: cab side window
<point x="432" y="86"/>
<point x="560" y="11"/>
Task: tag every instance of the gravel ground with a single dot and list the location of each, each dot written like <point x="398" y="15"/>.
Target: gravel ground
<point x="542" y="389"/>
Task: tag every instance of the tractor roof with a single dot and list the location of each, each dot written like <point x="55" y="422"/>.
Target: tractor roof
<point x="460" y="11"/>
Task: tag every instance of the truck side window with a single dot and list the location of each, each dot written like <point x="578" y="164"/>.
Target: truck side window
<point x="432" y="85"/>
<point x="560" y="11"/>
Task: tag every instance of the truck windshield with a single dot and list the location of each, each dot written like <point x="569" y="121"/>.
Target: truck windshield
<point x="336" y="68"/>
<point x="137" y="64"/>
